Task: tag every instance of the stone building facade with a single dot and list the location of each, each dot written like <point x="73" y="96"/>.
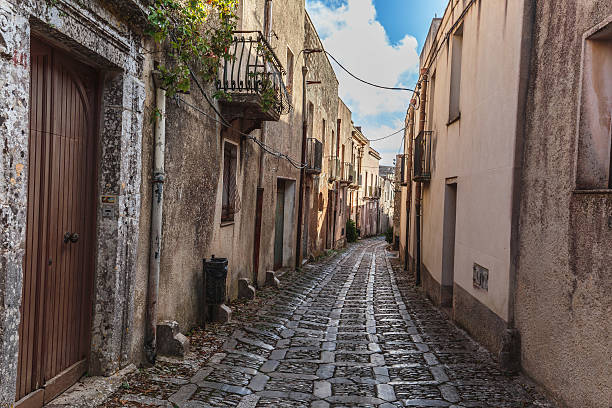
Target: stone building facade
<point x="370" y="193"/>
<point x="509" y="162"/>
<point x="322" y="111"/>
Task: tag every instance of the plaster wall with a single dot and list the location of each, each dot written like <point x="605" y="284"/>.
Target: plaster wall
<point x="563" y="301"/>
<point x="478" y="149"/>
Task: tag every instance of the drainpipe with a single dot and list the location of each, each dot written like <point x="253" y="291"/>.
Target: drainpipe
<point x="419" y="188"/>
<point x="408" y="173"/>
<point x="298" y="249"/>
<point x="260" y="189"/>
<point x="156" y="225"/>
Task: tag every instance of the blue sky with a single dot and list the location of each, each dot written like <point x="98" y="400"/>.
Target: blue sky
<point x="378" y="40"/>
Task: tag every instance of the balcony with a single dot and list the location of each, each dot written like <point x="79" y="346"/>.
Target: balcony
<point x="348" y="173"/>
<point x="334" y="168"/>
<point x="314" y="156"/>
<point x="252" y="80"/>
<point x="402" y="176"/>
<point x="422" y="157"/>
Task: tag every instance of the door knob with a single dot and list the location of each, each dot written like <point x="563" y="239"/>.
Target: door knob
<point x="71" y="237"/>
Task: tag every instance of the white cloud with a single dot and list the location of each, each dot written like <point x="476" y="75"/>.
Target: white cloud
<point x="351" y="33"/>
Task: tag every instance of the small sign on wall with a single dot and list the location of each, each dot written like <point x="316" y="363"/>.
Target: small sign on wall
<point x="481" y="277"/>
<point x="109" y="205"/>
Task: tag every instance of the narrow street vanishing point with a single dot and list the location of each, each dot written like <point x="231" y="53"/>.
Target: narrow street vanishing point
<point x="344" y="332"/>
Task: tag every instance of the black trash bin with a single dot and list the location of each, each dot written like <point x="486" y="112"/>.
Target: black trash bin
<point x="215" y="276"/>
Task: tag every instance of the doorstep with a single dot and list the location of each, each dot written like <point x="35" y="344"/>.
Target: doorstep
<point x="91" y="391"/>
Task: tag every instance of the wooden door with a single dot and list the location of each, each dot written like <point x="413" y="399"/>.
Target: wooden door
<point x="58" y="266"/>
<point x="279" y="228"/>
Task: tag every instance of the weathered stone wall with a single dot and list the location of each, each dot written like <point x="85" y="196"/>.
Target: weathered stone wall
<point x="563" y="293"/>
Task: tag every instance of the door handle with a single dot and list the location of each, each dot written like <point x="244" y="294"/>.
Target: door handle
<point x="71" y="237"/>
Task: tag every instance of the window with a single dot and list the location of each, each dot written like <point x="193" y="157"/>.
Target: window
<point x="454" y="110"/>
<point x="338" y="127"/>
<point x="230" y="194"/>
<point x="321" y="203"/>
<point x="311" y="121"/>
<point x="594" y="170"/>
<point x="289" y="71"/>
<point x="323" y="132"/>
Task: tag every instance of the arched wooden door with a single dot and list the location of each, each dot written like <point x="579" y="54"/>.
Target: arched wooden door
<point x="58" y="266"/>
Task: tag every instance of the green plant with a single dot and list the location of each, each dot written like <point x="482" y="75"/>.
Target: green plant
<point x="197" y="33"/>
<point x="351" y="231"/>
<point x="389" y="235"/>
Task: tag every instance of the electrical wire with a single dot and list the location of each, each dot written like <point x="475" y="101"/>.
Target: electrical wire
<point x="388" y="136"/>
<point x="364" y="81"/>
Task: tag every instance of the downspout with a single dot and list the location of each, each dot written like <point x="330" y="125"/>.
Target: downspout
<point x="298" y="249"/>
<point x="157" y="203"/>
<point x="260" y="179"/>
<point x="510" y="354"/>
<point x="408" y="173"/>
<point x="419" y="187"/>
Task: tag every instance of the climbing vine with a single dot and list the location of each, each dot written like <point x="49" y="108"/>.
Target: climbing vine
<point x="197" y="34"/>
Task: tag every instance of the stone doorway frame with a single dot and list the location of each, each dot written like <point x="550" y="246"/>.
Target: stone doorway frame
<point x="116" y="53"/>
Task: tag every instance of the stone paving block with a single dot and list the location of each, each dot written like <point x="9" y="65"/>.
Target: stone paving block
<point x="183" y="394"/>
<point x="250" y="401"/>
<point x="322" y="389"/>
<point x="258" y="382"/>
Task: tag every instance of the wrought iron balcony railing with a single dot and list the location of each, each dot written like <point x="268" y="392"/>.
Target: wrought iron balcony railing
<point x="253" y="79"/>
<point x="401" y="175"/>
<point x="422" y="157"/>
<point x="314" y="156"/>
<point x="334" y="168"/>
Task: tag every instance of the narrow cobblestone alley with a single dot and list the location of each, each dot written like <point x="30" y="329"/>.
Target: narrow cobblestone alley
<point x="339" y="334"/>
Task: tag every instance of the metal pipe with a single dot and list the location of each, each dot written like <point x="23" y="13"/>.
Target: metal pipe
<point x="260" y="179"/>
<point x="156" y="225"/>
<point x="298" y="250"/>
<point x="419" y="188"/>
<point x="408" y="171"/>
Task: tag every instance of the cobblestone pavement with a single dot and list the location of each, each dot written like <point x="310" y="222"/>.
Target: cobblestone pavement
<point x="343" y="333"/>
